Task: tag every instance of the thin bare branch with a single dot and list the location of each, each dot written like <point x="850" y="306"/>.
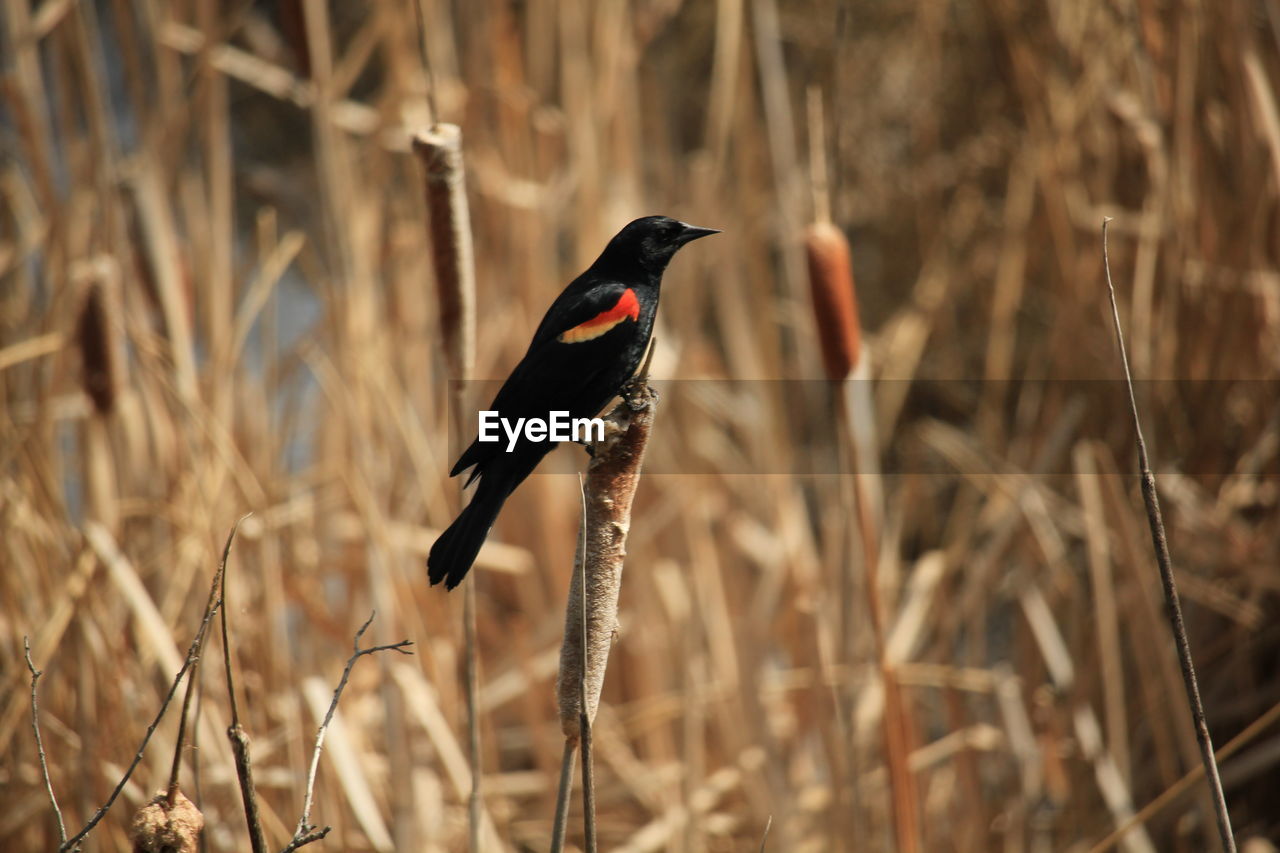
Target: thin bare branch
<point x="1160" y="543"/>
<point x="306" y="832"/>
<point x="35" y="728"/>
<point x="216" y="593"/>
<point x="171" y="790"/>
<point x="235" y="732"/>
<point x="193" y="656"/>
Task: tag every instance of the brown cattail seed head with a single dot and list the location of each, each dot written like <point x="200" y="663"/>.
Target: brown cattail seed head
<point x="95" y="338"/>
<point x="440" y="151"/>
<point x="156" y="827"/>
<point x="835" y="301"/>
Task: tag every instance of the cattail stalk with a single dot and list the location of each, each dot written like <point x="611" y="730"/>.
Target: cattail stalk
<point x="840" y="336"/>
<point x="1173" y="604"/>
<point x="440" y="151"/>
<point x="591" y="613"/>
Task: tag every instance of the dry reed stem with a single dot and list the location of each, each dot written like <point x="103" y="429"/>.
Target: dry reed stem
<point x="35" y="730"/>
<point x="235" y="732"/>
<point x="819" y="176"/>
<point x="1160" y="544"/>
<point x="584" y="717"/>
<point x="220" y="580"/>
<point x="164" y="267"/>
<point x="780" y="129"/>
<point x="564" y="787"/>
<point x="475" y="802"/>
<point x="591" y="610"/>
<point x="179" y="742"/>
<point x="439" y="150"/>
<point x="836" y="317"/>
<point x="834" y="303"/>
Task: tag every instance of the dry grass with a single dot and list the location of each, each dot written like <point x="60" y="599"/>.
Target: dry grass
<point x="217" y="205"/>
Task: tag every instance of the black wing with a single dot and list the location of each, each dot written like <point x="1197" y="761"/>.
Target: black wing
<point x="579" y="302"/>
<point x="552" y="375"/>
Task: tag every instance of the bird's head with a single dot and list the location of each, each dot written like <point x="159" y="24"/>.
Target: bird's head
<point x="651" y="242"/>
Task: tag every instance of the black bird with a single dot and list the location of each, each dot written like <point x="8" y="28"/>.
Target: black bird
<point x="587" y="347"/>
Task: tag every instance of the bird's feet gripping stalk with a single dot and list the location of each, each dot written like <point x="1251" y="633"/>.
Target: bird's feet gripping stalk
<point x="638" y="394"/>
<point x="615" y="424"/>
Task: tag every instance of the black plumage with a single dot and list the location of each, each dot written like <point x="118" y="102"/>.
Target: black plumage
<point x="587" y="347"/>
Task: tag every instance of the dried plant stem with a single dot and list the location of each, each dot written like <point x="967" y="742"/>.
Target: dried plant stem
<point x="219" y="591"/>
<point x="588" y="788"/>
<point x="475" y="801"/>
<point x="248" y="792"/>
<point x="1160" y="544"/>
<point x="563" y="789"/>
<point x="35" y="728"/>
<point x="306" y="832"/>
<point x="421" y="17"/>
<point x="819" y="182"/>
<point x="171" y="791"/>
<point x="591" y="613"/>
<point x="584" y="719"/>
<point x="235" y="732"/>
<point x="439" y="149"/>
<point x="902" y="784"/>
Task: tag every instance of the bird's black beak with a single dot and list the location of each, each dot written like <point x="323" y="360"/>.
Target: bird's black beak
<point x="693" y="232"/>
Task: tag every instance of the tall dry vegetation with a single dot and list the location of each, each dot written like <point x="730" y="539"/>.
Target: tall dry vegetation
<point x="216" y="207"/>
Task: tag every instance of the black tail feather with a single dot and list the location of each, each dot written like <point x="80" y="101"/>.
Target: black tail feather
<point x="453" y="553"/>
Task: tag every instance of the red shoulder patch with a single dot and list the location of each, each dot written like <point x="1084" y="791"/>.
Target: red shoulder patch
<point x="626" y="308"/>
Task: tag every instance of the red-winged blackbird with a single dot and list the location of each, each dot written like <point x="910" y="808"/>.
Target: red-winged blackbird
<point x="587" y="347"/>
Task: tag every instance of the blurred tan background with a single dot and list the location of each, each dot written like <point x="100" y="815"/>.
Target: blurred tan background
<point x="215" y="298"/>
